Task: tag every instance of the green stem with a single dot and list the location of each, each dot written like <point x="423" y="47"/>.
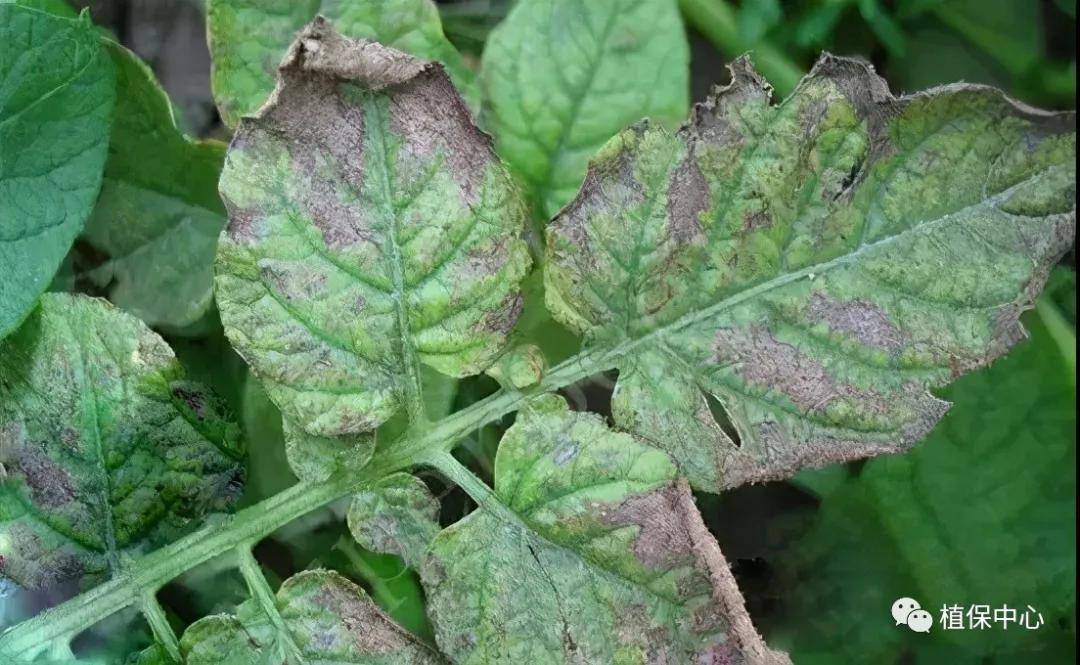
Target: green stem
<point x="715" y="19"/>
<point x="159" y="625"/>
<point x="1063" y="334"/>
<point x="264" y="597"/>
<point x="460" y="475"/>
<point x="251" y="524"/>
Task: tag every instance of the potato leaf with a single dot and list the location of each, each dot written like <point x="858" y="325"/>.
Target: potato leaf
<point x="398" y="515"/>
<point x="561" y="77"/>
<point x="589" y="550"/>
<point x="372" y="230"/>
<point x="106" y="451"/>
<point x="328" y="618"/>
<point x="804" y="272"/>
<point x="56" y="106"/>
<point x="159" y="215"/>
<point x="249" y="37"/>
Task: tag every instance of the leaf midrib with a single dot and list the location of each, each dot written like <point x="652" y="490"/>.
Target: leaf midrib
<point x="414" y="399"/>
<point x="111" y="550"/>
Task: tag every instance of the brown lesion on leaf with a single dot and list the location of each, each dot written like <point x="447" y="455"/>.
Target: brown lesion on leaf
<point x="195" y="401"/>
<point x="434" y="123"/>
<point x="879" y="422"/>
<point x="709" y="119"/>
<point x="672" y="536"/>
<point x="768" y="363"/>
<point x="755" y="220"/>
<point x="867" y="92"/>
<point x="662" y="543"/>
<point x="49" y="483"/>
<point x="862" y="320"/>
<point x="372" y="632"/>
<point x="34" y="564"/>
<point x="321" y="50"/>
<point x="779" y="452"/>
<point x="502" y="320"/>
<point x="688" y="198"/>
<point x="241" y="227"/>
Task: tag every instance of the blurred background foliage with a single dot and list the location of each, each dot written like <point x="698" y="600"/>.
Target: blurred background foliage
<point x="983" y="512"/>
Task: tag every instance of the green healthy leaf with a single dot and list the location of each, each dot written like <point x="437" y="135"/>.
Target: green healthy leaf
<point x="268" y="471"/>
<point x="590" y="550"/>
<point x="1008" y="30"/>
<point x="328" y="618"/>
<point x="397" y="515"/>
<point x="56" y="105"/>
<point x="106" y="451"/>
<point x="757" y="17"/>
<point x="810" y="269"/>
<point x="159" y="215"/>
<point x="372" y="232"/>
<point x="58" y="7"/>
<point x="249" y="37"/>
<point x="982" y="513"/>
<point x="561" y="77"/>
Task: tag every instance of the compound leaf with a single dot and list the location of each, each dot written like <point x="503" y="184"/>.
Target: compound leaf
<point x="561" y="77"/>
<point x="372" y="232"/>
<point x="249" y="37"/>
<point x="56" y="105"/>
<point x="106" y="451"/>
<point x="589" y="550"/>
<point x="780" y="285"/>
<point x="328" y="618"/>
<point x="159" y="215"/>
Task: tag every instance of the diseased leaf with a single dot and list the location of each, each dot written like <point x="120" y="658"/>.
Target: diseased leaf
<point x="397" y="515"/>
<point x="809" y="270"/>
<point x="590" y="551"/>
<point x="372" y="231"/>
<point x="561" y="77"/>
<point x="315" y="458"/>
<point x="56" y="105"/>
<point x="329" y="619"/>
<point x="249" y="37"/>
<point x="106" y="451"/>
<point x="1003" y="463"/>
<point x="159" y="215"/>
<point x="520" y="367"/>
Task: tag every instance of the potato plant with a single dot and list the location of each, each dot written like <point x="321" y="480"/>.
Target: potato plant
<point x="780" y="284"/>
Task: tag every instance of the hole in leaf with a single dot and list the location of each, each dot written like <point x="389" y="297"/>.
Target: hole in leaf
<point x="592" y="393"/>
<point x="387" y="580"/>
<point x="203" y="590"/>
<point x="849" y="179"/>
<point x="721" y="418"/>
<point x="855" y="468"/>
<point x="121" y="633"/>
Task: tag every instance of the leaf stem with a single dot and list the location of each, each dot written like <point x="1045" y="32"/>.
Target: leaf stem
<point x="715" y="19"/>
<point x="460" y="475"/>
<point x="159" y="625"/>
<point x="264" y="597"/>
